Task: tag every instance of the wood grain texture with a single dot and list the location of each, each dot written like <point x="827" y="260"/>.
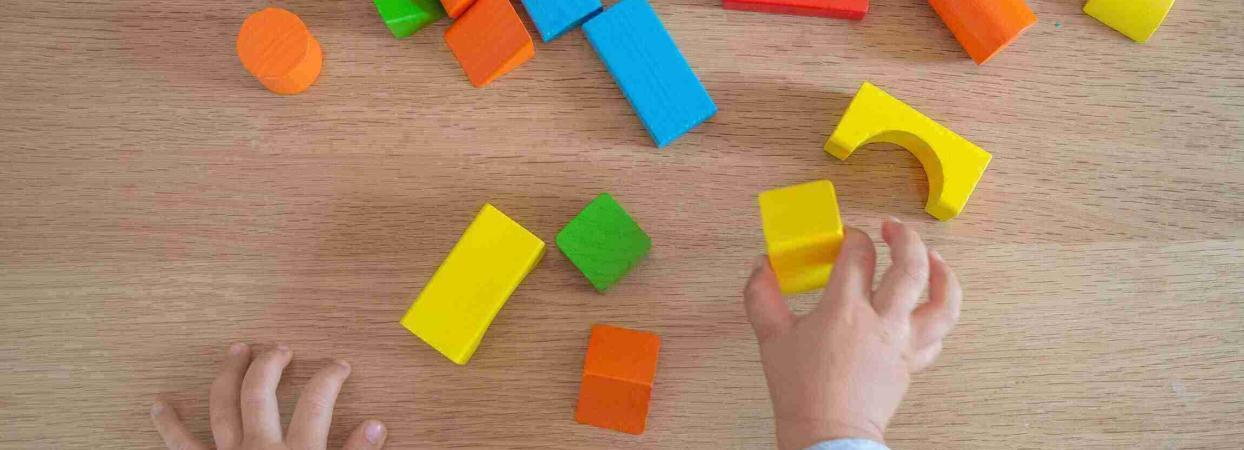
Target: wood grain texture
<point x="156" y="204"/>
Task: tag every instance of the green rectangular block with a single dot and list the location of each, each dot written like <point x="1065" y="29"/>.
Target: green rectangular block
<point x="405" y="17"/>
<point x="604" y="242"/>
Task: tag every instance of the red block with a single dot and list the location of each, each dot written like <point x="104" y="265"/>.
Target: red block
<point x="841" y="9"/>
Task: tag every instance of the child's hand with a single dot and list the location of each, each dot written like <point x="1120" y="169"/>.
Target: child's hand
<point x="244" y="414"/>
<point x="841" y="371"/>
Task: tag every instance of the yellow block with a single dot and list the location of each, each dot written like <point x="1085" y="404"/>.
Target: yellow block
<point x="953" y="164"/>
<point x="1136" y="19"/>
<point x="458" y="304"/>
<point x="803" y="233"/>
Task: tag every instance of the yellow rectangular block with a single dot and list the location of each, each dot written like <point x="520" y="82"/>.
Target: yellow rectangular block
<point x="803" y="233"/>
<point x="458" y="304"/>
<point x="1136" y="19"/>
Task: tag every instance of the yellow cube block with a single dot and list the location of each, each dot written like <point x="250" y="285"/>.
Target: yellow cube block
<point x="953" y="164"/>
<point x="1136" y="19"/>
<point x="803" y="233"/>
<point x="458" y="304"/>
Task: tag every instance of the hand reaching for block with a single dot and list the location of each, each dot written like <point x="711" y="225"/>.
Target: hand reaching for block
<point x="244" y="413"/>
<point x="842" y="370"/>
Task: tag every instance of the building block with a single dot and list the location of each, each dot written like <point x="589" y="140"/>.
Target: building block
<point x="803" y="233"/>
<point x="458" y="304"/>
<point x="1136" y="19"/>
<point x="839" y="9"/>
<point x="456" y="8"/>
<point x="953" y="164"/>
<point x="276" y="47"/>
<point x="603" y="242"/>
<point x="555" y="17"/>
<point x="617" y="379"/>
<point x="651" y="72"/>
<point x="985" y="27"/>
<point x="405" y="17"/>
<point x="489" y="41"/>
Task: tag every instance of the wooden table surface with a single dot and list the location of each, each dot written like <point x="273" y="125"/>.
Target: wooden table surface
<point x="156" y="204"/>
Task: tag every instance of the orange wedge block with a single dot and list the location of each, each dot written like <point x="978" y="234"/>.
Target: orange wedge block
<point x="985" y="27"/>
<point x="455" y="8"/>
<point x="489" y="41"/>
<point x="278" y="49"/>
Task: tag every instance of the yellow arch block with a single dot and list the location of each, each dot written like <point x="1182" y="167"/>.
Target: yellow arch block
<point x="803" y="233"/>
<point x="953" y="164"/>
<point x="1136" y="19"/>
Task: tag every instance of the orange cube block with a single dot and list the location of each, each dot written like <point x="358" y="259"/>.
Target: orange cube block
<point x="489" y="40"/>
<point x="985" y="27"/>
<point x="617" y="379"/>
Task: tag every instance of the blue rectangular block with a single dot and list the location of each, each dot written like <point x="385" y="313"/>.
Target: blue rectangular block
<point x="555" y="17"/>
<point x="652" y="73"/>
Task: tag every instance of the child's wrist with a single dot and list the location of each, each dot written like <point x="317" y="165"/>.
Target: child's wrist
<point x="801" y="433"/>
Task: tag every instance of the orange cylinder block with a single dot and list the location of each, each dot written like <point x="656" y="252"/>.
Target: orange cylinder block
<point x="278" y="49"/>
<point x="985" y="27"/>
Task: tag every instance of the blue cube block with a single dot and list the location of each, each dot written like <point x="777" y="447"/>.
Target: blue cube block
<point x="652" y="73"/>
<point x="555" y="17"/>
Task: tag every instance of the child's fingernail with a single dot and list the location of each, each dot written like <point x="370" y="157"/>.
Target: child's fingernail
<point x="282" y="348"/>
<point x="342" y="364"/>
<point x="887" y="228"/>
<point x="937" y="256"/>
<point x="759" y="262"/>
<point x="374" y="432"/>
<point x="237" y="349"/>
<point x="158" y="408"/>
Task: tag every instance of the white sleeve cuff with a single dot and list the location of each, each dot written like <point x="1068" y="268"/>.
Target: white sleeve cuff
<point x="849" y="444"/>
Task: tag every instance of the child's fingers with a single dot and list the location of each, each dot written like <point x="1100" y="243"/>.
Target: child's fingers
<point x="925" y="358"/>
<point x="314" y="414"/>
<point x="762" y="298"/>
<point x="908" y="274"/>
<point x="852" y="278"/>
<point x="932" y="321"/>
<point x="175" y="434"/>
<point x="261" y="416"/>
<point x="224" y="399"/>
<point x="370" y="435"/>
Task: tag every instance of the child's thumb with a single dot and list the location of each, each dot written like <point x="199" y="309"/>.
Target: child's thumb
<point x="762" y="298"/>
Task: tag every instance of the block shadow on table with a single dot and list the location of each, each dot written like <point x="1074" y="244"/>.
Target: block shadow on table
<point x="908" y="31"/>
<point x="780" y="129"/>
<point x="778" y="118"/>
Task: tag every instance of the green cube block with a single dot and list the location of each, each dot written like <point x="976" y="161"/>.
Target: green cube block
<point x="405" y="17"/>
<point x="603" y="242"/>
